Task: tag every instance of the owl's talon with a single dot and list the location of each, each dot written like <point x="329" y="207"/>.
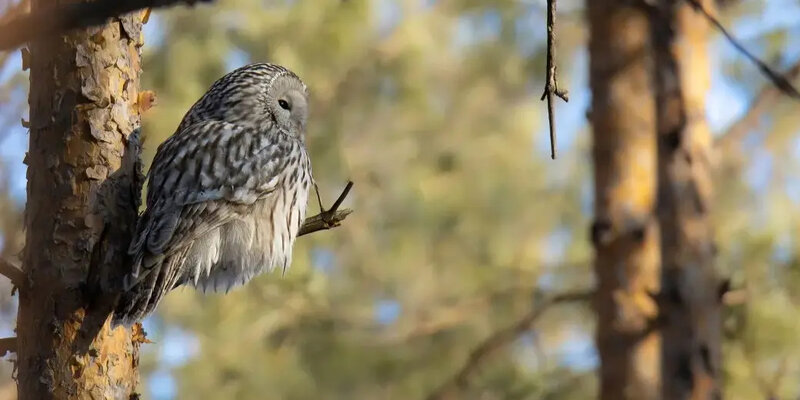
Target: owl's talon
<point x="319" y="199"/>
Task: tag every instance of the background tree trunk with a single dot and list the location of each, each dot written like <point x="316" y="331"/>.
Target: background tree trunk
<point x="82" y="154"/>
<point x="691" y="297"/>
<point x="625" y="232"/>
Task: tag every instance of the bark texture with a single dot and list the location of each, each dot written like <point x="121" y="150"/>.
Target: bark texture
<point x="625" y="231"/>
<point x="83" y="177"/>
<point x="690" y="299"/>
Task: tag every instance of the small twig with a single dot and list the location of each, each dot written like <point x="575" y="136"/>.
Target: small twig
<point x="8" y="345"/>
<point x="327" y="219"/>
<point x="64" y="17"/>
<point x="551" y="80"/>
<point x="341" y="198"/>
<point x="777" y="79"/>
<point x="499" y="339"/>
<point x="763" y="102"/>
<point x="321" y="222"/>
<point x="13" y="273"/>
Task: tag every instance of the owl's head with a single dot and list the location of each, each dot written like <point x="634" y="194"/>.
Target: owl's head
<point x="287" y="102"/>
<point x="261" y="96"/>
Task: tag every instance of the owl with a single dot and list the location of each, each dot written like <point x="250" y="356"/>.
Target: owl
<point x="227" y="191"/>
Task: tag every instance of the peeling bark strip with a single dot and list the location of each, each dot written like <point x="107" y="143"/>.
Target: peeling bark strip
<point x="690" y="300"/>
<point x="625" y="233"/>
<point x="81" y="162"/>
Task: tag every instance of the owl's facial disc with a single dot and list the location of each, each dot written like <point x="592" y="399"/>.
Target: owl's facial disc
<point x="294" y="101"/>
<point x="289" y="104"/>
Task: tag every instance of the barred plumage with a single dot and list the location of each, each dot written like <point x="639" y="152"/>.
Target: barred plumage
<point x="227" y="191"/>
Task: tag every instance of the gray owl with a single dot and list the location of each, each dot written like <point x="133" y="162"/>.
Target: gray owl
<point x="227" y="191"/>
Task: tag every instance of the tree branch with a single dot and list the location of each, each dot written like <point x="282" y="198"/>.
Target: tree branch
<point x="327" y="219"/>
<point x="56" y="20"/>
<point x="14" y="11"/>
<point x="551" y="79"/>
<point x="763" y="102"/>
<point x="438" y="319"/>
<point x="13" y="273"/>
<point x="780" y="82"/>
<point x="11" y="13"/>
<point x="499" y="339"/>
<point x="8" y="345"/>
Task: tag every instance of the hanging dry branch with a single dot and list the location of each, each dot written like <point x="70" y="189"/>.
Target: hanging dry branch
<point x="551" y="79"/>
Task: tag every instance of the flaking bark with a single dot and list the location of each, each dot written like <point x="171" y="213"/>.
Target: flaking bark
<point x="83" y="181"/>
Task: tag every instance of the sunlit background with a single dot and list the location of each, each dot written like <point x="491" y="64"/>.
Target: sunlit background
<point x="432" y="109"/>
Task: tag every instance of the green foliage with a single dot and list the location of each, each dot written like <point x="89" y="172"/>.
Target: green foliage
<point x="452" y="200"/>
<point x="432" y="109"/>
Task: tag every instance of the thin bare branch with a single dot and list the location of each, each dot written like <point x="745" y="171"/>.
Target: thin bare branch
<point x="498" y="340"/>
<point x="323" y="221"/>
<point x="764" y="101"/>
<point x="70" y="16"/>
<point x="777" y="79"/>
<point x="330" y="218"/>
<point x="438" y="319"/>
<point x="13" y="273"/>
<point x="551" y="80"/>
<point x="8" y="345"/>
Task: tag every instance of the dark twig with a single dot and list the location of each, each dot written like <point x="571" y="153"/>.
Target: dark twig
<point x="8" y="345"/>
<point x="499" y="339"/>
<point x="56" y="20"/>
<point x="13" y="273"/>
<point x="763" y="102"/>
<point x="341" y="198"/>
<point x="327" y="219"/>
<point x="777" y="79"/>
<point x="551" y="82"/>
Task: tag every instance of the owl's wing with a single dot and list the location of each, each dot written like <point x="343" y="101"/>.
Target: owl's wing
<point x="198" y="177"/>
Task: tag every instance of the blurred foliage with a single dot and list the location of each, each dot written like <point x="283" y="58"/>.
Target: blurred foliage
<point x="432" y="108"/>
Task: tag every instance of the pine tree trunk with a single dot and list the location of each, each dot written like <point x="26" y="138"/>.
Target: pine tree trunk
<point x="690" y="299"/>
<point x="625" y="232"/>
<point x="80" y="209"/>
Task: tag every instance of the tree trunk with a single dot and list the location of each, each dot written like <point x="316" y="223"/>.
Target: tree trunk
<point x="625" y="232"/>
<point x="690" y="299"/>
<point x="80" y="211"/>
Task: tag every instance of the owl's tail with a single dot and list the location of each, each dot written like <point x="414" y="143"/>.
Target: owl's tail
<point x="143" y="296"/>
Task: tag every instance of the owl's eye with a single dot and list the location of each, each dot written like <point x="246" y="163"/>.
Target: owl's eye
<point x="284" y="104"/>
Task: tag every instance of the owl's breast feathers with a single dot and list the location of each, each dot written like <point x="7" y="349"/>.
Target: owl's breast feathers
<point x="224" y="204"/>
<point x="259" y="237"/>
